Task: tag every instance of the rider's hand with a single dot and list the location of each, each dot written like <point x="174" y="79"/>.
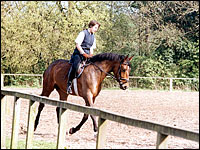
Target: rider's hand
<point x="86" y="55"/>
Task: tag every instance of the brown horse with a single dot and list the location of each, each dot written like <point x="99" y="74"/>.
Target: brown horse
<point x="88" y="84"/>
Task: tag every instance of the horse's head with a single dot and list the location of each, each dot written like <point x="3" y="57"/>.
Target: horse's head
<point x="120" y="66"/>
<point x="123" y="71"/>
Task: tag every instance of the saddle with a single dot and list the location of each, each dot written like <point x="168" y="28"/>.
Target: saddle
<point x="80" y="68"/>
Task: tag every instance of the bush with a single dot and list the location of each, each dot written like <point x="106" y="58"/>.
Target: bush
<point x="27" y="81"/>
<point x="148" y="67"/>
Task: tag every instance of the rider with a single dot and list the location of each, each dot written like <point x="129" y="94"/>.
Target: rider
<point x="85" y="43"/>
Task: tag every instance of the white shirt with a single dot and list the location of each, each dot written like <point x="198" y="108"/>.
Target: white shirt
<point x="80" y="39"/>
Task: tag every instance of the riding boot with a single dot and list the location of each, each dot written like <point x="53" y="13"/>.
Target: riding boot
<point x="71" y="75"/>
<point x="69" y="88"/>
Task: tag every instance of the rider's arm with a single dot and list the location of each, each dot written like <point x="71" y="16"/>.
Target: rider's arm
<point x="93" y="47"/>
<point x="79" y="48"/>
<point x="79" y="41"/>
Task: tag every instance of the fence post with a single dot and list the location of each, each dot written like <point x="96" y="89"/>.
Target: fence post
<point x="62" y="128"/>
<point x="2" y="80"/>
<point x="8" y="104"/>
<point x="15" y="123"/>
<point x="171" y="85"/>
<point x="101" y="136"/>
<point x="31" y="121"/>
<point x="42" y="81"/>
<point x="3" y="121"/>
<point x="161" y="141"/>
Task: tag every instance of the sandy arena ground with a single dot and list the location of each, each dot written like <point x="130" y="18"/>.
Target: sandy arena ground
<point x="179" y="109"/>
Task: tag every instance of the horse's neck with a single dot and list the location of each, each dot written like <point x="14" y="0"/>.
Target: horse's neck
<point x="106" y="66"/>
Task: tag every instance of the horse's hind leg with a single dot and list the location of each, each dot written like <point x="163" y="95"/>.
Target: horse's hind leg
<point x="40" y="108"/>
<point x="45" y="92"/>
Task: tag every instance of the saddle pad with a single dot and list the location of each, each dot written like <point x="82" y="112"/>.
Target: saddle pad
<point x="74" y="83"/>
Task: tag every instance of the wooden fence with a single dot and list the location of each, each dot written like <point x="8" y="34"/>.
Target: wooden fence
<point x="131" y="77"/>
<point x="163" y="132"/>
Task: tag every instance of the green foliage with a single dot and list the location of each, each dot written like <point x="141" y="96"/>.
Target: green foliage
<point x="192" y="85"/>
<point x="25" y="81"/>
<point x="36" y="33"/>
<point x="151" y="68"/>
<point x="123" y="33"/>
<point x="185" y="16"/>
<point x="148" y="67"/>
<point x="162" y="35"/>
<point x="182" y="58"/>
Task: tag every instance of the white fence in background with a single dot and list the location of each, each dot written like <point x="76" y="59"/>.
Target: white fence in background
<point x="131" y="77"/>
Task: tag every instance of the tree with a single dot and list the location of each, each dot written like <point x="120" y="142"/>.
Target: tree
<point x="159" y="21"/>
<point x="36" y="33"/>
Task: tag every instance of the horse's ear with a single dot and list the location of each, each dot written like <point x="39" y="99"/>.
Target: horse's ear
<point x="126" y="58"/>
<point x="130" y="58"/>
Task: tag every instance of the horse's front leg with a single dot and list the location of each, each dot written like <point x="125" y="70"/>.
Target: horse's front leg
<point x="63" y="97"/>
<point x="94" y="122"/>
<point x="88" y="102"/>
<point x="84" y="119"/>
<point x="94" y="117"/>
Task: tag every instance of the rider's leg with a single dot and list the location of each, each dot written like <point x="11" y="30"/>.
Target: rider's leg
<point x="75" y="61"/>
<point x="70" y="78"/>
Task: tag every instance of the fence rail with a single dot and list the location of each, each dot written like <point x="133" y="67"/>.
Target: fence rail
<point x="131" y="77"/>
<point x="163" y="131"/>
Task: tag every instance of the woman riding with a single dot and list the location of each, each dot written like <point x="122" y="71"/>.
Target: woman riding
<point x="85" y="44"/>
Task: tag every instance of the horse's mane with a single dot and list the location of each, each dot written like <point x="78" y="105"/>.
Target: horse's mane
<point x="107" y="56"/>
<point x="97" y="58"/>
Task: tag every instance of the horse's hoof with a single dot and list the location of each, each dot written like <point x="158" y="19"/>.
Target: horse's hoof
<point x="95" y="134"/>
<point x="67" y="133"/>
<point x="72" y="130"/>
<point x="95" y="129"/>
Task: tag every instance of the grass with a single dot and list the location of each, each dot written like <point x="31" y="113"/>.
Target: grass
<point x="36" y="144"/>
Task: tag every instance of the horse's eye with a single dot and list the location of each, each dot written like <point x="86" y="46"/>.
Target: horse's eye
<point x="123" y="70"/>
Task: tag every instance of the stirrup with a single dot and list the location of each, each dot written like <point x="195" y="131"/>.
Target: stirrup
<point x="69" y="89"/>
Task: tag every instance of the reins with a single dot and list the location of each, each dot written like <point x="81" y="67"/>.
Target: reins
<point x="119" y="70"/>
<point x="104" y="71"/>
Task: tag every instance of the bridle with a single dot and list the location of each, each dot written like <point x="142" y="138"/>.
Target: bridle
<point x="120" y="79"/>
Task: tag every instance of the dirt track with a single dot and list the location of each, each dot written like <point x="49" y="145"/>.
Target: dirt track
<point x="179" y="109"/>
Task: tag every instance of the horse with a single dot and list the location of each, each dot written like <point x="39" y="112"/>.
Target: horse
<point x="88" y="85"/>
